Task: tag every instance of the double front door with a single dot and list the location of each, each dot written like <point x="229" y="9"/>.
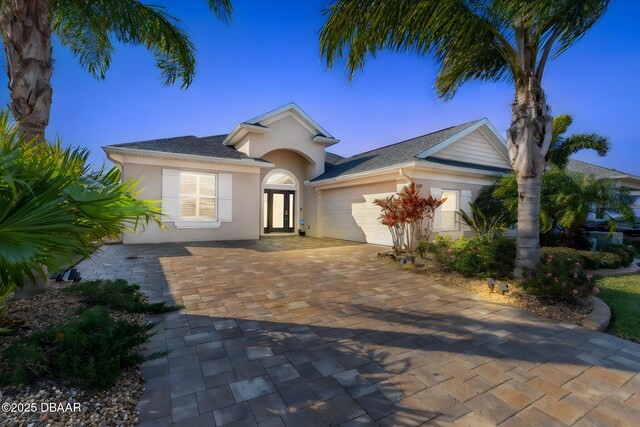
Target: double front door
<point x="279" y="211"/>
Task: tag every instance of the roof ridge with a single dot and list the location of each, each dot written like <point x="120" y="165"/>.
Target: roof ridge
<point x="415" y="137"/>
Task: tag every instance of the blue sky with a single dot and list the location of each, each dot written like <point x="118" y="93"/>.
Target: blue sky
<point x="268" y="56"/>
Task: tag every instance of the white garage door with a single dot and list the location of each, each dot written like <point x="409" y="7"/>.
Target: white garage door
<point x="349" y="213"/>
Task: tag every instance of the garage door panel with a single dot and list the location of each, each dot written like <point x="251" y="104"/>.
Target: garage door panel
<point x="350" y="214"/>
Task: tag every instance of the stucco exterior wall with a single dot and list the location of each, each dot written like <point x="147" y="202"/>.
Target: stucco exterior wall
<point x="246" y="208"/>
<point x="285" y="134"/>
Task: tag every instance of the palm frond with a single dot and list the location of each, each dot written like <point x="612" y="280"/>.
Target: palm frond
<point x="358" y="29"/>
<point x="88" y="27"/>
<point x="489" y="40"/>
<point x="52" y="208"/>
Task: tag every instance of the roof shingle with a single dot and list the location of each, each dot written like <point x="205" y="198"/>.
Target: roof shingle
<point x="597" y="171"/>
<point x="391" y="155"/>
<point x="208" y="146"/>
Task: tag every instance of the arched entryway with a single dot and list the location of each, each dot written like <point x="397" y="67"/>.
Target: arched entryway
<point x="280" y="201"/>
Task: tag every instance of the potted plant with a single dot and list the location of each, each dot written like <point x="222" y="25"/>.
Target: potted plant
<point x="301" y="229"/>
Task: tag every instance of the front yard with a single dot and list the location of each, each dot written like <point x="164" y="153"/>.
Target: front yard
<point x="622" y="294"/>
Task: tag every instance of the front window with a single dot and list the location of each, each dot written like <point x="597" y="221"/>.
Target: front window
<point x="197" y="196"/>
<point x="448" y="219"/>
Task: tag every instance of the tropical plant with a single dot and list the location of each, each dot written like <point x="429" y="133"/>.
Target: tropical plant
<point x="53" y="207"/>
<point x="404" y="213"/>
<point x="489" y="40"/>
<point x="391" y="216"/>
<point x="567" y="199"/>
<point x="562" y="147"/>
<point x="484" y="223"/>
<point x="88" y="29"/>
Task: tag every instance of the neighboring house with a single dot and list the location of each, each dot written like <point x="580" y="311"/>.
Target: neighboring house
<point x="273" y="170"/>
<point x="623" y="179"/>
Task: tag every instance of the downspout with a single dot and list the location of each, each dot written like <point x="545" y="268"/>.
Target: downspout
<point x="404" y="175"/>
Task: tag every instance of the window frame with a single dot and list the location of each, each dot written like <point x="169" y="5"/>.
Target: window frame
<point x="185" y="221"/>
<point x="457" y="208"/>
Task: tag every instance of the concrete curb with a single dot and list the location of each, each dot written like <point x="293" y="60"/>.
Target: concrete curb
<point x="599" y="318"/>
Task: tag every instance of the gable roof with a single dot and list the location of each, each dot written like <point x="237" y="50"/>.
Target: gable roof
<point x="209" y="146"/>
<point x="401" y="153"/>
<point x="256" y="125"/>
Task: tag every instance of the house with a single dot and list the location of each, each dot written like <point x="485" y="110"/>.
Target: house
<point x="625" y="180"/>
<point x="274" y="170"/>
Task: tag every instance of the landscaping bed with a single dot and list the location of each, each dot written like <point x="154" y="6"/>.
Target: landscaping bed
<point x="69" y="378"/>
<point x="571" y="312"/>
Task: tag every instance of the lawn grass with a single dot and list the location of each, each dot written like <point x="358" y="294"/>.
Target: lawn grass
<point x="622" y="295"/>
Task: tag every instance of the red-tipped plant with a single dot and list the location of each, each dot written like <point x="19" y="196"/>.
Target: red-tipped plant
<point x="404" y="214"/>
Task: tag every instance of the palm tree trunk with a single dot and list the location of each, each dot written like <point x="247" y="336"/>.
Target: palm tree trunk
<point x="26" y="35"/>
<point x="528" y="141"/>
<point x="528" y="241"/>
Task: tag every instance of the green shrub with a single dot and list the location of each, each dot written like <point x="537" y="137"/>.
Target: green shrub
<point x="117" y="294"/>
<point x="609" y="260"/>
<point x="92" y="350"/>
<point x="626" y="253"/>
<point x="422" y="247"/>
<point x="474" y="257"/>
<point x="590" y="260"/>
<point x="560" y="277"/>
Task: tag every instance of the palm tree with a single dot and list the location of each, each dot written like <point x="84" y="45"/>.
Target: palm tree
<point x="563" y="147"/>
<point x="488" y="40"/>
<point x="88" y="28"/>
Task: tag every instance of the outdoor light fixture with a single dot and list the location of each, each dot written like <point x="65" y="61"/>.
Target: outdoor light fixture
<point x="491" y="284"/>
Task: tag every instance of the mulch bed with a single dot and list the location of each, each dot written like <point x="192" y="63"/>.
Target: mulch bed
<point x="116" y="406"/>
<point x="562" y="311"/>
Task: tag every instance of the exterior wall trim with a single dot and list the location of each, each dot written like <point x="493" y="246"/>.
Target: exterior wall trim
<point x="136" y="152"/>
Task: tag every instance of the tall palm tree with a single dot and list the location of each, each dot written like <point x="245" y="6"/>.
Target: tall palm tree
<point x="488" y="40"/>
<point x="88" y="28"/>
<point x="562" y="147"/>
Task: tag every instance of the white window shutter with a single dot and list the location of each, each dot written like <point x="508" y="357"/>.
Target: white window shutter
<point x="225" y="197"/>
<point x="465" y="200"/>
<point x="170" y="194"/>
<point x="436" y="193"/>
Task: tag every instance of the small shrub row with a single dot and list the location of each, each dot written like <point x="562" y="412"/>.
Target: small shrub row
<point x="560" y="277"/>
<point x="118" y="295"/>
<point x="590" y="260"/>
<point x="625" y="252"/>
<point x="92" y="350"/>
<point x="472" y="256"/>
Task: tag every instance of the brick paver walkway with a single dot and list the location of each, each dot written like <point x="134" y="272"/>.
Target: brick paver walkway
<point x="305" y="332"/>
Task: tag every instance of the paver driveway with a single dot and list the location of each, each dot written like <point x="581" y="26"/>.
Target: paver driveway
<point x="305" y="332"/>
